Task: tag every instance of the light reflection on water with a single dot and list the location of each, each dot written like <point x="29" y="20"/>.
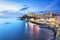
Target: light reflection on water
<point x="37" y="33"/>
<point x="14" y="29"/>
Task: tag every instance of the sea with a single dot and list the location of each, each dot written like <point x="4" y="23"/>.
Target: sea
<point x="12" y="29"/>
<point x="15" y="29"/>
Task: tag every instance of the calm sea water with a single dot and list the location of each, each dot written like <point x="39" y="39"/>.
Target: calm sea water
<point x="14" y="29"/>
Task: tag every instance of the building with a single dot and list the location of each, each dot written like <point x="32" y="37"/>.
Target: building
<point x="50" y="16"/>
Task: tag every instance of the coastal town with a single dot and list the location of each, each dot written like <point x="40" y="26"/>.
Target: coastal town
<point x="47" y="18"/>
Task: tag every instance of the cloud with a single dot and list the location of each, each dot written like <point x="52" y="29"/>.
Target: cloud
<point x="10" y="14"/>
<point x="4" y="5"/>
<point x="24" y="5"/>
<point x="25" y="8"/>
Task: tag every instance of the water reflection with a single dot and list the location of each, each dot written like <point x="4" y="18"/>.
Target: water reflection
<point x="37" y="33"/>
<point x="13" y="29"/>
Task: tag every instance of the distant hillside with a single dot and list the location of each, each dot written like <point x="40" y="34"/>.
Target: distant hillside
<point x="19" y="14"/>
<point x="43" y="12"/>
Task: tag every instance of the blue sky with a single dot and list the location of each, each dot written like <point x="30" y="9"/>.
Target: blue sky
<point x="29" y="5"/>
<point x="34" y="5"/>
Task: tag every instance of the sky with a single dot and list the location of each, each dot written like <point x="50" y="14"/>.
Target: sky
<point x="26" y="6"/>
<point x="33" y="5"/>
